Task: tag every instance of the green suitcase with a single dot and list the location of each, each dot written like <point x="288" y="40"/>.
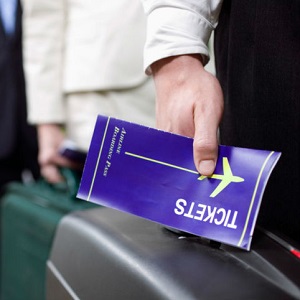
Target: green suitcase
<point x="29" y="217"/>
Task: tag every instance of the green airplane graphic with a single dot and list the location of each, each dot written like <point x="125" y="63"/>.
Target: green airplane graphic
<point x="226" y="178"/>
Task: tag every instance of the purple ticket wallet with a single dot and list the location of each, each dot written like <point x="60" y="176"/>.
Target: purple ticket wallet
<point x="151" y="173"/>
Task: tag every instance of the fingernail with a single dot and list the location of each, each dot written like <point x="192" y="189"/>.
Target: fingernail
<point x="206" y="167"/>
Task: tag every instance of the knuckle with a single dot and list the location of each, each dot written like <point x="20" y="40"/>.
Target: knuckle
<point x="204" y="145"/>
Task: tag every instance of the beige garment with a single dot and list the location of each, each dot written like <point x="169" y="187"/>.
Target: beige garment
<point x="135" y="105"/>
<point x="76" y="46"/>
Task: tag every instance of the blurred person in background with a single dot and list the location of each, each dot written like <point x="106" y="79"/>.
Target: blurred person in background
<point x="18" y="143"/>
<point x="83" y="58"/>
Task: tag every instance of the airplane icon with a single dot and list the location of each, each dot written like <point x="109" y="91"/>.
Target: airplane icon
<point x="226" y="178"/>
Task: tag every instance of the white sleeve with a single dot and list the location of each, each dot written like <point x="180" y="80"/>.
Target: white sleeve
<point x="43" y="45"/>
<point x="176" y="27"/>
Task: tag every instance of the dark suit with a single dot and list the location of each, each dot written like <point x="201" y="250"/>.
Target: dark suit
<point x="18" y="142"/>
<point x="257" y="51"/>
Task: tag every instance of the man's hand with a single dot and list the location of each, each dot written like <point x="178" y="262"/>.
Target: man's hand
<point x="190" y="103"/>
<point x="50" y="137"/>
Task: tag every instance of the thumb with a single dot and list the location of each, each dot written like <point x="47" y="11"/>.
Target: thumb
<point x="205" y="154"/>
<point x="205" y="146"/>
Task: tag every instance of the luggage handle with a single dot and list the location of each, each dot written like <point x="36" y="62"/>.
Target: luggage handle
<point x="70" y="184"/>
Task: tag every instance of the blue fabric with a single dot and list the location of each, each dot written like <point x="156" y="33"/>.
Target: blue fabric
<point x="8" y="15"/>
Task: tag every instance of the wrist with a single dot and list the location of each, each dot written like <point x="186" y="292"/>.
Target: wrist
<point x="172" y="73"/>
<point x="176" y="63"/>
